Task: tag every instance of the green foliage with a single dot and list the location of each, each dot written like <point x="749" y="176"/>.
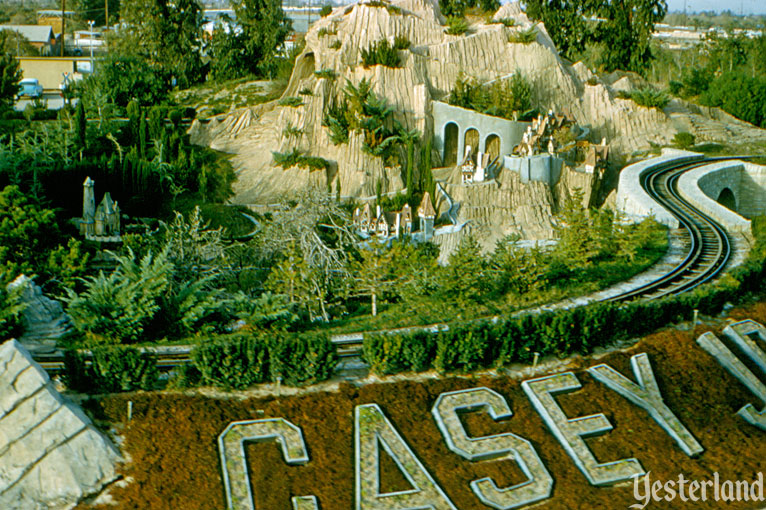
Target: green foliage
<point x="325" y="31"/>
<point x="623" y="32"/>
<point x="167" y="35"/>
<point x="523" y="36"/>
<point x="147" y="298"/>
<point x="406" y="352"/>
<point x="291" y="101"/>
<point x="326" y="10"/>
<point x="290" y="131"/>
<point x="465" y="277"/>
<point x="11" y="308"/>
<point x="508" y="22"/>
<point x="236" y="362"/>
<point x="648" y="96"/>
<point x="392" y="9"/>
<point x="683" y="140"/>
<point x="27" y="234"/>
<point x="380" y="53"/>
<point x="244" y="360"/>
<point x="303" y="359"/>
<point x="111" y="369"/>
<point x="502" y="99"/>
<point x="462" y="349"/>
<point x="401" y="42"/>
<point x="305" y="92"/>
<point x="297" y="158"/>
<point x="456" y="25"/>
<point x="337" y="122"/>
<point x="739" y="94"/>
<point x="122" y="79"/>
<point x="10" y="76"/>
<point x="326" y="73"/>
<point x="336" y="44"/>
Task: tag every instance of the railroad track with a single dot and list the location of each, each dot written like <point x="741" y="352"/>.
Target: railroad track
<point x="709" y="248"/>
<point x="708" y="252"/>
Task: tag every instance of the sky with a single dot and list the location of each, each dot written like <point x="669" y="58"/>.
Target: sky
<point x="747" y="6"/>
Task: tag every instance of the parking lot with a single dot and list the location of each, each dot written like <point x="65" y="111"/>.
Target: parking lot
<point x="55" y="101"/>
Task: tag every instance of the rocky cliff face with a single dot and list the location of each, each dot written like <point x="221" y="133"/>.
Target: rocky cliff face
<point x="51" y="455"/>
<point x="430" y="69"/>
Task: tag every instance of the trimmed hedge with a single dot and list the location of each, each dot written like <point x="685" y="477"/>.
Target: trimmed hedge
<point x="111" y="369"/>
<point x="485" y="344"/>
<point x="245" y="360"/>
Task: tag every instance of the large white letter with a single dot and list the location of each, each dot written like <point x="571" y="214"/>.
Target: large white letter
<point x="372" y="429"/>
<point x="507" y="445"/>
<point x="231" y="445"/>
<point x="646" y="395"/>
<point x="743" y="334"/>
<point x="569" y="432"/>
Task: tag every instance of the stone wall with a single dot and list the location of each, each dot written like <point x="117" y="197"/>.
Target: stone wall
<point x="51" y="455"/>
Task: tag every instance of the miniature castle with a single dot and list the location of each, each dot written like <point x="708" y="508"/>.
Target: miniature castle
<point x="100" y="223"/>
<point x="395" y="224"/>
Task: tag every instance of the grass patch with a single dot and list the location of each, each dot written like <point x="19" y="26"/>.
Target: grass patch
<point x="456" y="25"/>
<point x="291" y="101"/>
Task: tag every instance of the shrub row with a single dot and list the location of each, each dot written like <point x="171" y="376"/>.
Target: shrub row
<point x="485" y="344"/>
<point x="110" y="369"/>
<point x="244" y="360"/>
<point x="234" y="362"/>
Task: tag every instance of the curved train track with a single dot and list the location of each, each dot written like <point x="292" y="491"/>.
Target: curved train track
<point x="709" y="249"/>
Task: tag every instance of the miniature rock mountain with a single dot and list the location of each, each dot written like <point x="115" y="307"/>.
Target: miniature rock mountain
<point x="429" y="70"/>
<point x="51" y="455"/>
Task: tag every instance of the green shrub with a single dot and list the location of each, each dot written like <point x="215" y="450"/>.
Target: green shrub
<point x="326" y="31"/>
<point x="290" y="131"/>
<point x="684" y="140"/>
<point x="380" y="53"/>
<point x="235" y="362"/>
<point x="297" y="158"/>
<point x="305" y="92"/>
<point x="336" y="121"/>
<point x="303" y="359"/>
<point x="326" y="10"/>
<point x="401" y="42"/>
<point x="10" y="310"/>
<point x="407" y="352"/>
<point x="648" y="97"/>
<point x="111" y="369"/>
<point x="456" y="25"/>
<point x="291" y="101"/>
<point x="326" y="73"/>
<point x="523" y="36"/>
<point x="336" y="44"/>
<point x="392" y="9"/>
<point x="463" y="348"/>
<point x="508" y="22"/>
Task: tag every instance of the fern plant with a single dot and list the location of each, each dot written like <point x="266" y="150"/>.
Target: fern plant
<point x="380" y="53"/>
<point x="523" y="36"/>
<point x="456" y="26"/>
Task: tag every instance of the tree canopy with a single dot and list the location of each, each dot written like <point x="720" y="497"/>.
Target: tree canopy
<point x="166" y="34"/>
<point x="623" y="28"/>
<point x="249" y="45"/>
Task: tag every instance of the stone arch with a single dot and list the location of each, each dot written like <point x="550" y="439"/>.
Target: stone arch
<point x="451" y="132"/>
<point x="492" y="146"/>
<point x="727" y="199"/>
<point x="471" y="137"/>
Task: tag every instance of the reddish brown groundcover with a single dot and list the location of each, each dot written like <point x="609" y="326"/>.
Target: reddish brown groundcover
<point x="172" y="437"/>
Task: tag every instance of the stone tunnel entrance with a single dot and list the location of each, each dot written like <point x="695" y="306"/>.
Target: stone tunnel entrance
<point x="492" y="144"/>
<point x="727" y="199"/>
<point x="450" y="144"/>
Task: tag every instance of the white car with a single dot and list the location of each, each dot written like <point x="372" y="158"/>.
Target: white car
<point x="30" y="87"/>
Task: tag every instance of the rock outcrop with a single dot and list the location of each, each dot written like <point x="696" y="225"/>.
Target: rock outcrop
<point x="43" y="318"/>
<point x="429" y="70"/>
<point x="51" y="455"/>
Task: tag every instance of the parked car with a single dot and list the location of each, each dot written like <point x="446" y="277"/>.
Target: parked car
<point x="30" y="87"/>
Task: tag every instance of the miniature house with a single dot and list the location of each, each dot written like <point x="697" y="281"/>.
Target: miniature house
<point x="427" y="214"/>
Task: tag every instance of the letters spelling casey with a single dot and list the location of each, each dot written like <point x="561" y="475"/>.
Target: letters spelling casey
<point x="373" y="430"/>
